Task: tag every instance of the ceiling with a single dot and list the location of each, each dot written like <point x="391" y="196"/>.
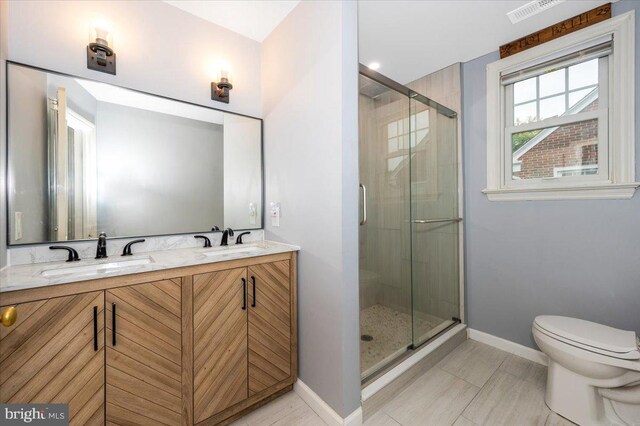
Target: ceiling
<point x="251" y="18"/>
<point x="411" y="39"/>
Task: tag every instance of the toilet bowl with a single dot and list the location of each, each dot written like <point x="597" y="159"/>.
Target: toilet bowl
<point x="594" y="371"/>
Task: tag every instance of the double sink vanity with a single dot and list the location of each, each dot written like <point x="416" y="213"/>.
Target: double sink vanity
<point x="160" y="332"/>
<point x="178" y="337"/>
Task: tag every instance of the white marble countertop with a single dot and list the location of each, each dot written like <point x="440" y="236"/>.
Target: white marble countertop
<point x="20" y="277"/>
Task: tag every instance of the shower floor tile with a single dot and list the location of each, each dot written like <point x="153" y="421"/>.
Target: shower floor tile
<point x="391" y="333"/>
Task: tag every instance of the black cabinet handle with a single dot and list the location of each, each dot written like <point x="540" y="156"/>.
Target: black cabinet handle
<point x="113" y="324"/>
<point x="253" y="302"/>
<point x="244" y="294"/>
<point x="95" y="329"/>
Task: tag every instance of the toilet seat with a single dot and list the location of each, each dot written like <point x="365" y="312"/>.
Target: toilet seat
<point x="590" y="336"/>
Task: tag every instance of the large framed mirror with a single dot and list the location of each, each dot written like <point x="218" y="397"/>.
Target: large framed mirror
<point x="85" y="157"/>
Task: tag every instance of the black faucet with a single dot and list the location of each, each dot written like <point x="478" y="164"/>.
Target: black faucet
<point x="73" y="254"/>
<point x="215" y="229"/>
<point x="101" y="253"/>
<point x="225" y="236"/>
<point x="127" y="248"/>
<point x="239" y="239"/>
<point x="207" y="241"/>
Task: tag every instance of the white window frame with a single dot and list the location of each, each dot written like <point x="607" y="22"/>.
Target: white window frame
<point x="617" y="125"/>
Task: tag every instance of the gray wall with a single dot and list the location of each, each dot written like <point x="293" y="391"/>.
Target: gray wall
<point x="573" y="258"/>
<point x="311" y="168"/>
<point x="28" y="136"/>
<point x="157" y="173"/>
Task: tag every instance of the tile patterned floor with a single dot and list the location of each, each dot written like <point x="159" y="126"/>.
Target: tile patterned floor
<point x="288" y="410"/>
<point x="476" y="385"/>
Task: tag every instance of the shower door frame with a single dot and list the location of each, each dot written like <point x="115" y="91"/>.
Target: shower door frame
<point x="411" y="94"/>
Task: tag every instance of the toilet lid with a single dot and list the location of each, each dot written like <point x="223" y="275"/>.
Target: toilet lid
<point x="591" y="334"/>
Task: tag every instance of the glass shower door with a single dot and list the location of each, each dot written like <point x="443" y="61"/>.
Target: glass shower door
<point x="434" y="220"/>
<point x="385" y="246"/>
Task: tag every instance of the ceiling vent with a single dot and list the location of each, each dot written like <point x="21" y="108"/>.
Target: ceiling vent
<point x="530" y="9"/>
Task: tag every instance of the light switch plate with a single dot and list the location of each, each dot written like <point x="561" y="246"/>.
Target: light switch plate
<point x="18" y="225"/>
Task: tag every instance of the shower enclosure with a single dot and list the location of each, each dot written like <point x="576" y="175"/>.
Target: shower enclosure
<point x="409" y="224"/>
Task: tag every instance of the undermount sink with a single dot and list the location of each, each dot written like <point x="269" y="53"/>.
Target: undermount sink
<point x="98" y="268"/>
<point x="231" y="250"/>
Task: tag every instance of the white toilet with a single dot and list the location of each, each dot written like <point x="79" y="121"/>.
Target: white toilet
<point x="594" y="371"/>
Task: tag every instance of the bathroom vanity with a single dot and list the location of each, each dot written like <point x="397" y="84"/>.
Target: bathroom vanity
<point x="179" y="337"/>
<point x="164" y="332"/>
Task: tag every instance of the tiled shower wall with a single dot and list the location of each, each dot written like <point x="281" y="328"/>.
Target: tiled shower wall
<point x="383" y="279"/>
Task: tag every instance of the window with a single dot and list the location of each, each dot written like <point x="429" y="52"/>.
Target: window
<point x="401" y="135"/>
<point x="560" y="117"/>
<point x="574" y="96"/>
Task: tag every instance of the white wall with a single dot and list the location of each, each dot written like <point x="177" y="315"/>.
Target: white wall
<point x="310" y="101"/>
<point x="160" y="49"/>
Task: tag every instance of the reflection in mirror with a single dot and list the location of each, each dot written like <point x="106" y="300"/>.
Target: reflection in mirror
<point x="88" y="157"/>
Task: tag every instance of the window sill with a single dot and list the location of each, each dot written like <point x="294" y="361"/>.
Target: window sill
<point x="592" y="192"/>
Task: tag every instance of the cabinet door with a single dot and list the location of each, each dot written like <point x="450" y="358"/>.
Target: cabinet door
<point x="220" y="341"/>
<point x="269" y="325"/>
<point x="144" y="348"/>
<point x="54" y="353"/>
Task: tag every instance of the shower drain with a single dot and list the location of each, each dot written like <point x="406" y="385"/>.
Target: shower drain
<point x="366" y="338"/>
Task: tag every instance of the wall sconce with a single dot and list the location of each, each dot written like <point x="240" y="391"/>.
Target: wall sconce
<point x="220" y="89"/>
<point x="101" y="57"/>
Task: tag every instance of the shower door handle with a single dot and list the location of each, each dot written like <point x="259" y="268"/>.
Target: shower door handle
<point x="455" y="219"/>
<point x="363" y="221"/>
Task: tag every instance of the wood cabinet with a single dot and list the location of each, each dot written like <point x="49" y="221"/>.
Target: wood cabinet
<point x="269" y="326"/>
<point x="242" y="336"/>
<point x="193" y="345"/>
<point x="220" y="341"/>
<point x="144" y="354"/>
<point x="54" y="353"/>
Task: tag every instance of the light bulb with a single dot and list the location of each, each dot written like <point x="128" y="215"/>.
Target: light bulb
<point x="224" y="75"/>
<point x="100" y="33"/>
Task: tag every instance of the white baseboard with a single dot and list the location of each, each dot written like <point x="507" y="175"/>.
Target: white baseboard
<point x="354" y="419"/>
<point x="322" y="409"/>
<point x="508" y="346"/>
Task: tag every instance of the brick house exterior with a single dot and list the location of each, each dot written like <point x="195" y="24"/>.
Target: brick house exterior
<point x="569" y="145"/>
